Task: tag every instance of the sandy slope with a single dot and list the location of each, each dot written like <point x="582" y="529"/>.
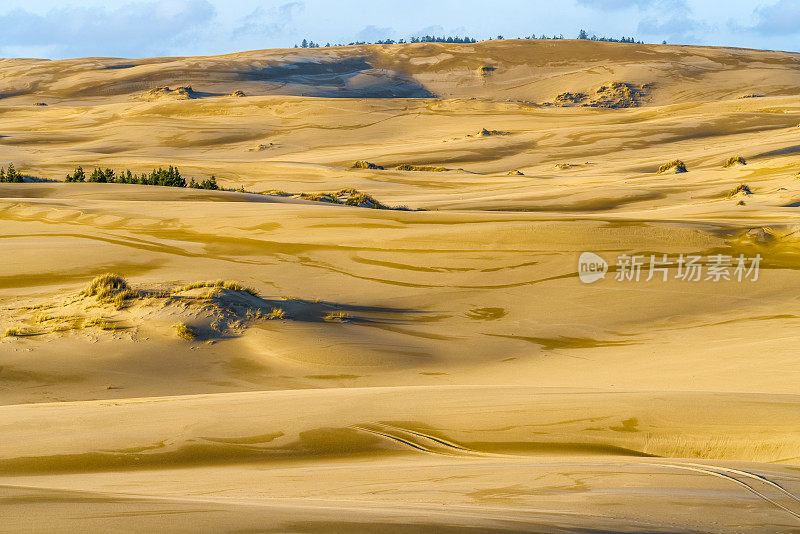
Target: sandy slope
<point x="474" y="382"/>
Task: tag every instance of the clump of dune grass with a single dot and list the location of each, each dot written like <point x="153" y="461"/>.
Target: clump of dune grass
<point x="100" y="323"/>
<point x="420" y="168"/>
<point x="238" y="94"/>
<point x="490" y="133"/>
<point x="12" y="332"/>
<point x="275" y="314"/>
<point x="735" y="160"/>
<point x="185" y="331"/>
<point x="743" y="188"/>
<point x="346" y="197"/>
<point x="751" y="95"/>
<point x="121" y="299"/>
<point x="516" y="173"/>
<point x="337" y="317"/>
<point x="319" y="197"/>
<point x="354" y="197"/>
<point x="362" y="164"/>
<point x="217" y="284"/>
<point x="106" y="287"/>
<point x="678" y="166"/>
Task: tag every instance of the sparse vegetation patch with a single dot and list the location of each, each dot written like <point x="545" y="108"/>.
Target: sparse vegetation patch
<point x="735" y="160"/>
<point x="185" y="332"/>
<point x="677" y="166"/>
<point x="179" y="93"/>
<point x="366" y="165"/>
<point x="337" y="317"/>
<point x="12" y="332"/>
<point x="420" y="168"/>
<point x="107" y="288"/>
<point x="740" y="190"/>
<point x="345" y="197"/>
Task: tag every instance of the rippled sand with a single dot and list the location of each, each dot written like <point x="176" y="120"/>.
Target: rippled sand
<point x="440" y="369"/>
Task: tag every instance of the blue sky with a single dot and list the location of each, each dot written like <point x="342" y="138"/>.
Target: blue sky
<point x="143" y="28"/>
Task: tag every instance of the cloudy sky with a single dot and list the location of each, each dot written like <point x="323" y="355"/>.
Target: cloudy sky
<point x="145" y="28"/>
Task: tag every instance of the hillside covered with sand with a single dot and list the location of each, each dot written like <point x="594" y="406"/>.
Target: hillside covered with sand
<point x="403" y="344"/>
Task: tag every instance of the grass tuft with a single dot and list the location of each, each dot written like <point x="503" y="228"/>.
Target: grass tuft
<point x="735" y="160"/>
<point x="276" y="313"/>
<point x="362" y="164"/>
<point x="12" y="332"/>
<point x="185" y="332"/>
<point x="740" y="189"/>
<point x="420" y="168"/>
<point x="678" y="166"/>
<point x="217" y="284"/>
<point x="106" y="287"/>
<point x="337" y="317"/>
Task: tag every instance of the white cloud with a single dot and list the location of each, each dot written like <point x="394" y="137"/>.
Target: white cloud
<point x="677" y="28"/>
<point x="136" y="29"/>
<point x="371" y="34"/>
<point x="780" y="18"/>
<point x="274" y="22"/>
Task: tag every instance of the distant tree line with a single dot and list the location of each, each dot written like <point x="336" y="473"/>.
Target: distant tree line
<point x="426" y="39"/>
<point x="10" y="176"/>
<point x="468" y="40"/>
<point x="585" y="36"/>
<point x="169" y="177"/>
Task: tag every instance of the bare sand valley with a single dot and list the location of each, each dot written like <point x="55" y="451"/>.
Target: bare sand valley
<point x="438" y="368"/>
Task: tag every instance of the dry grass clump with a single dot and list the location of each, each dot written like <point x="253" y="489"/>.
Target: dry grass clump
<point x="516" y="173"/>
<point x="238" y="94"/>
<point x="420" y="168"/>
<point x="677" y="166"/>
<point x="354" y="197"/>
<point x="362" y="164"/>
<point x="217" y="284"/>
<point x="185" y="332"/>
<point x="276" y="313"/>
<point x="570" y="98"/>
<point x="106" y="287"/>
<point x="122" y="298"/>
<point x="615" y="95"/>
<point x="490" y="133"/>
<point x="179" y="93"/>
<point x="261" y="147"/>
<point x="108" y="326"/>
<point x="337" y="317"/>
<point x="751" y="95"/>
<point x="12" y="332"/>
<point x="735" y="160"/>
<point x="486" y="70"/>
<point x="743" y="189"/>
<point x="346" y="197"/>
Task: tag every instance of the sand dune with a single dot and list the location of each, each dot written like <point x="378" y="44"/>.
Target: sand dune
<point x="439" y="368"/>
